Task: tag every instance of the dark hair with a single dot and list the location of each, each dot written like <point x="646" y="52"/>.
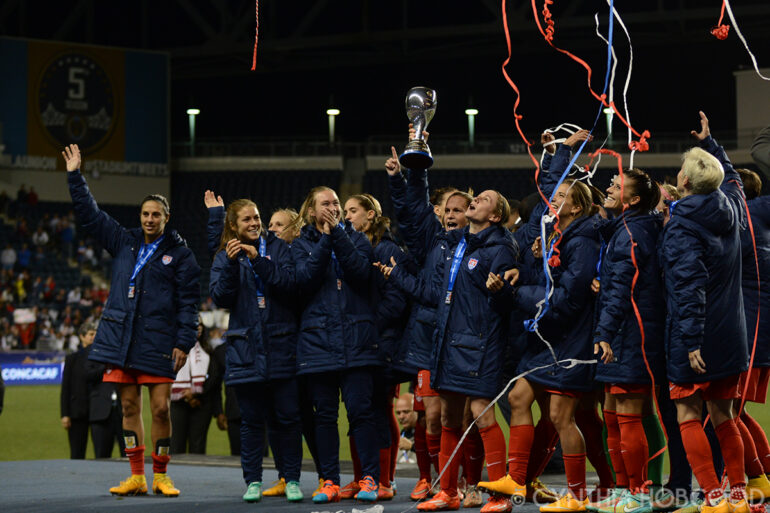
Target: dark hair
<point x="159" y="199"/>
<point x="527" y="205"/>
<point x="752" y="183"/>
<point x="644" y="187"/>
<point x="440" y="192"/>
<point x="514" y="204"/>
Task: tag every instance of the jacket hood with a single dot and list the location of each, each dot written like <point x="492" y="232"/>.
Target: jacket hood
<point x="711" y="211"/>
<point x="494" y="235"/>
<point x="608" y="227"/>
<point x="586" y="226"/>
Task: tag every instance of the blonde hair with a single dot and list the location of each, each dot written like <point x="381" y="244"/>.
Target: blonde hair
<point x="304" y="212"/>
<point x="379" y="224"/>
<point x="703" y="170"/>
<point x="467" y="196"/>
<point x="502" y="208"/>
<point x="231" y="220"/>
<point x="670" y="190"/>
<point x="295" y="221"/>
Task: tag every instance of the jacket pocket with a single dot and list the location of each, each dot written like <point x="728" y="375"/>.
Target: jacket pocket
<point x="110" y="331"/>
<point x="466" y="354"/>
<point x="240" y="351"/>
<point x="282" y="345"/>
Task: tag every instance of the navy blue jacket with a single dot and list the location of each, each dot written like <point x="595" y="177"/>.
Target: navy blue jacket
<point x="760" y="219"/>
<point x="429" y="246"/>
<point x="337" y="326"/>
<point x="547" y="180"/>
<point x="214" y="229"/>
<point x="701" y="261"/>
<point x="616" y="321"/>
<point x="261" y="342"/>
<point x="471" y="330"/>
<point x="568" y="323"/>
<point x="391" y="304"/>
<point x="141" y="333"/>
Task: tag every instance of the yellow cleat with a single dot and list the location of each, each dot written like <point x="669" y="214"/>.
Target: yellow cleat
<point x="566" y="504"/>
<point x="742" y="506"/>
<point x="277" y="490"/>
<point x="505" y="486"/>
<point x="162" y="484"/>
<point x="134" y="485"/>
<point x="758" y="489"/>
<point x="722" y="507"/>
<point x="320" y="485"/>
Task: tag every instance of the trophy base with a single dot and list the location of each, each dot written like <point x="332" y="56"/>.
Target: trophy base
<point x="416" y="159"/>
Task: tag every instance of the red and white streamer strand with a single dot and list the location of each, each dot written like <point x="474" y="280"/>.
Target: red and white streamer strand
<point x="256" y="39"/>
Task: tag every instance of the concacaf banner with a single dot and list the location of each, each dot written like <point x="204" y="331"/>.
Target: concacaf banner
<point x="112" y="102"/>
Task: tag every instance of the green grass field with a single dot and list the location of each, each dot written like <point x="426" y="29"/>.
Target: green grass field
<point x="30" y="426"/>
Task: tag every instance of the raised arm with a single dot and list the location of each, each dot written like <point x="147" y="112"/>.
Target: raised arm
<point x="354" y="254"/>
<point x="216" y="208"/>
<point x="732" y="185"/>
<point x="110" y="234"/>
<point x="224" y="280"/>
<point x="278" y="270"/>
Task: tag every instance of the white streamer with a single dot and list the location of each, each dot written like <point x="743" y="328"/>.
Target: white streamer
<point x="743" y="39"/>
<point x="570" y="362"/>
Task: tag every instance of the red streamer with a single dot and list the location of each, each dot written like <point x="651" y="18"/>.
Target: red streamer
<point x="256" y="40"/>
<point x="721" y="31"/>
<point x="548" y="34"/>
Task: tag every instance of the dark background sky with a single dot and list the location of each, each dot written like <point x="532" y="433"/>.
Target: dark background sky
<point x="364" y="55"/>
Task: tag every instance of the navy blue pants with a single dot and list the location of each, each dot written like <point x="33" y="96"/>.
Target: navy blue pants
<point x="681" y="473"/>
<point x="308" y="428"/>
<point x="357" y="386"/>
<point x="280" y="399"/>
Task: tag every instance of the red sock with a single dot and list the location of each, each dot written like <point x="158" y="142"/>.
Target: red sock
<point x="395" y="437"/>
<point x="159" y="463"/>
<point x="760" y="439"/>
<point x="449" y="440"/>
<point x="575" y="468"/>
<point x="732" y="451"/>
<point x="750" y="457"/>
<point x="473" y="456"/>
<point x="519" y="446"/>
<point x="421" y="451"/>
<point x="698" y="451"/>
<point x="434" y="448"/>
<point x="543" y="448"/>
<point x="494" y="450"/>
<point x="590" y="425"/>
<point x="357" y="474"/>
<point x="613" y="447"/>
<point x="634" y="449"/>
<point x="385" y="466"/>
<point x="136" y="459"/>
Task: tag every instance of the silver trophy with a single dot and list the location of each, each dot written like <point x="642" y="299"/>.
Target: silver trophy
<point x="420" y="107"/>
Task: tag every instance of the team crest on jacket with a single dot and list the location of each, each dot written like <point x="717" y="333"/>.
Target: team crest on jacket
<point x="166" y="259"/>
<point x="472" y="263"/>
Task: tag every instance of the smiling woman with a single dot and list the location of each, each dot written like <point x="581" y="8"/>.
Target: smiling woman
<point x="150" y="323"/>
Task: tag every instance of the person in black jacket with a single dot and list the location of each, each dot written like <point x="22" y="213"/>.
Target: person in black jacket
<point x="149" y="323"/>
<point x="75" y="396"/>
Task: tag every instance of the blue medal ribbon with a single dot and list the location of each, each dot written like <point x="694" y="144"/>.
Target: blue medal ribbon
<point x="455" y="269"/>
<point x="145" y="253"/>
<point x="261" y="303"/>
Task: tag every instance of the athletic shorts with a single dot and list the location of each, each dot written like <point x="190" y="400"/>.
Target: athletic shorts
<point x="567" y="393"/>
<point x="725" y="388"/>
<point x="758" y="379"/>
<point x="627" y="388"/>
<point x="423" y="388"/>
<point x="132" y="377"/>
